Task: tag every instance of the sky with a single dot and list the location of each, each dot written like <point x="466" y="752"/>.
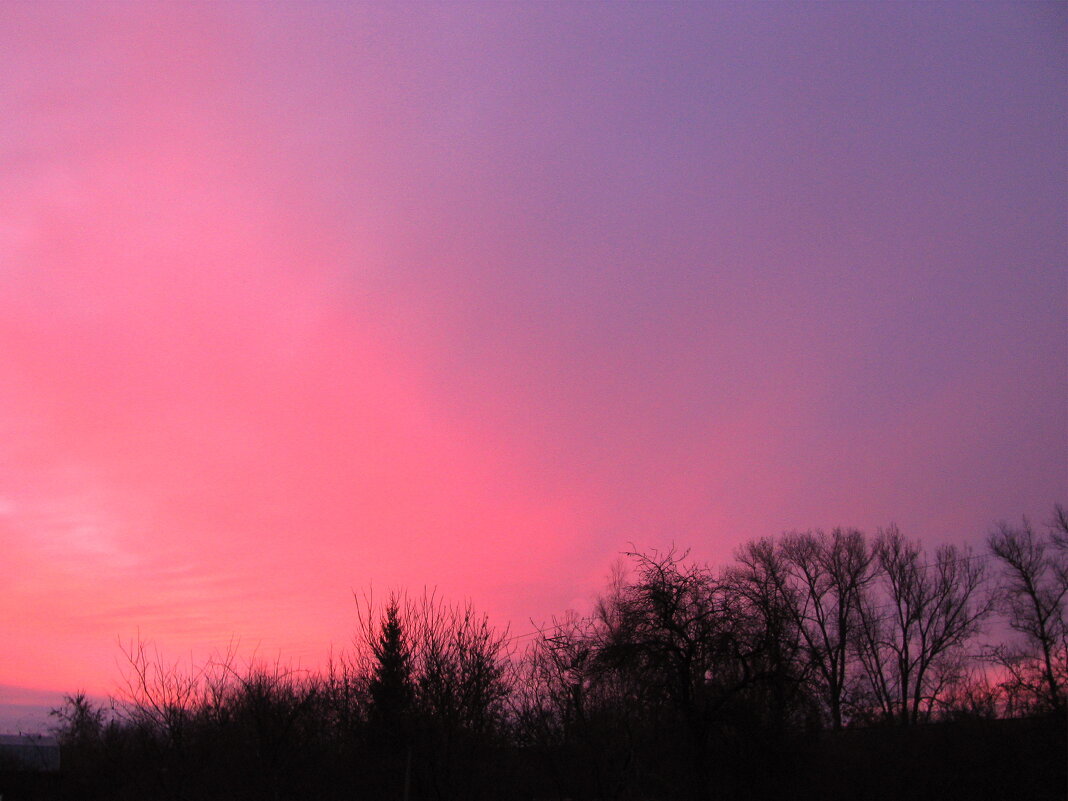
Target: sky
<point x="299" y="300"/>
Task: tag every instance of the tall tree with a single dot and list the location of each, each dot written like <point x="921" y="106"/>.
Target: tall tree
<point x="761" y="577"/>
<point x="919" y="624"/>
<point x="1032" y="595"/>
<point x="829" y="574"/>
<point x="391" y="687"/>
<point x="686" y="635"/>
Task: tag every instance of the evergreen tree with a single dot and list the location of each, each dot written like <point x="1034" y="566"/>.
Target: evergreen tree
<point x="391" y="688"/>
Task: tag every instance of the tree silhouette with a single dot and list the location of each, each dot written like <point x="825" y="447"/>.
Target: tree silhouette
<point x="688" y="681"/>
<point x="1032" y="594"/>
<point x="925" y="616"/>
<point x="391" y="688"/>
<point x="831" y="573"/>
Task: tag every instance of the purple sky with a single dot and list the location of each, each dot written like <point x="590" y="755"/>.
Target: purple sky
<point x="299" y="297"/>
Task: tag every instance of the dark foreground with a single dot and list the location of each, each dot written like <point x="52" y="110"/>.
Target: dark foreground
<point x="970" y="760"/>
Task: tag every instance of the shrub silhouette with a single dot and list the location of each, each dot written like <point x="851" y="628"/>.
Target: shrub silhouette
<point x="774" y="676"/>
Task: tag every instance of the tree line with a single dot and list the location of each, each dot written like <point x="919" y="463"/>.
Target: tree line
<point x="687" y="681"/>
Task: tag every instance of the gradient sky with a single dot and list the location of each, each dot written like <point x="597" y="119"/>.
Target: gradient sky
<point x="300" y="298"/>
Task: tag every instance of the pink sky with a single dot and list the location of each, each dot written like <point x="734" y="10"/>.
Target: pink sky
<point x="301" y="298"/>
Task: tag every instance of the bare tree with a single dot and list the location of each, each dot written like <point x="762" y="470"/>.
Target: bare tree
<point x="158" y="694"/>
<point x="924" y="616"/>
<point x="761" y="577"/>
<point x="462" y="665"/>
<point x="559" y="671"/>
<point x="686" y="635"/>
<point x="1031" y="594"/>
<point x="1058" y="527"/>
<point x="78" y="720"/>
<point x="581" y="713"/>
<point x="827" y="575"/>
<point x="968" y="692"/>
